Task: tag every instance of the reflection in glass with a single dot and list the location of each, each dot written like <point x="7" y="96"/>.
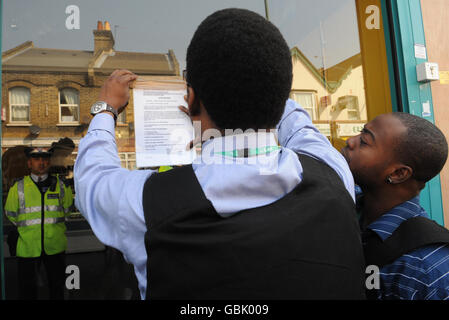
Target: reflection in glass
<point x="327" y="62"/>
<point x="69" y="105"/>
<point x="128" y="160"/>
<point x="121" y="119"/>
<point x="308" y="101"/>
<point x="19" y="104"/>
<point x="52" y="75"/>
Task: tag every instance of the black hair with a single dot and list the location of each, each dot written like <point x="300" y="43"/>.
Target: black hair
<point x="240" y="68"/>
<point x="422" y="146"/>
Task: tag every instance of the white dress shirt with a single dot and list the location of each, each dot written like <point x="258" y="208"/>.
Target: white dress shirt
<point x="110" y="197"/>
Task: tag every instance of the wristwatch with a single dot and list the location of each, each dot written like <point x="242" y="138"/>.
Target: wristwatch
<point x="100" y="106"/>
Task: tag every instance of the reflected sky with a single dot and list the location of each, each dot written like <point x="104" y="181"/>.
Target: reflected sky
<point x="316" y="27"/>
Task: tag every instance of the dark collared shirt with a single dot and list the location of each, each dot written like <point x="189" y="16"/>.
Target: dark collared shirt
<point x="422" y="274"/>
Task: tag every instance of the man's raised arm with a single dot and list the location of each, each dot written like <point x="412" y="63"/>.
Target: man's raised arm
<point x="297" y="132"/>
<point x="103" y="188"/>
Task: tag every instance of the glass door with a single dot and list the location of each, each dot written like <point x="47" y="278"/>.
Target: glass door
<point x="340" y="71"/>
<point x="56" y="56"/>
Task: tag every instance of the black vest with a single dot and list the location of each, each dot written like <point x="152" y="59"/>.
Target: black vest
<point x="412" y="234"/>
<point x="304" y="246"/>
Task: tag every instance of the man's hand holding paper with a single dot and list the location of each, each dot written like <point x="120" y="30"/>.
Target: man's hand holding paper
<point x="162" y="129"/>
<point x="115" y="90"/>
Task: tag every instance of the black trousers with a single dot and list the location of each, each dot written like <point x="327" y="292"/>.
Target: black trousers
<point x="27" y="269"/>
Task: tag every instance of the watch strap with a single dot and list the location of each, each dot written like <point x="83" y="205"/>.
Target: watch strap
<point x="111" y="109"/>
<point x="104" y="107"/>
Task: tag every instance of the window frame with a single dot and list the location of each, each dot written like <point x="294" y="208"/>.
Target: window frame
<point x="68" y="105"/>
<point x="127" y="160"/>
<point x="11" y="105"/>
<point x="120" y="116"/>
<point x="314" y="115"/>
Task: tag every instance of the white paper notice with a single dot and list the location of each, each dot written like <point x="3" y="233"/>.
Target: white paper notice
<point x="420" y="51"/>
<point x="162" y="130"/>
<point x="426" y="109"/>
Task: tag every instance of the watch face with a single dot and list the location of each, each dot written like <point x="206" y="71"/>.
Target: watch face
<point x="97" y="107"/>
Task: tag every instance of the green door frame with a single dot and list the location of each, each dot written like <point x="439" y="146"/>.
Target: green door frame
<point x="406" y="30"/>
<point x="2" y="264"/>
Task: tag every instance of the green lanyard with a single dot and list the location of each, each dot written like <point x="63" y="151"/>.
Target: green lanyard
<point x="248" y="152"/>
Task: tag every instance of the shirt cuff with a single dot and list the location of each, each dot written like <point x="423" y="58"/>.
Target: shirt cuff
<point x="102" y="121"/>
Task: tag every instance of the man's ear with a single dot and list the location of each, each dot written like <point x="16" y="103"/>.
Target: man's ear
<point x="29" y="163"/>
<point x="192" y="102"/>
<point x="400" y="174"/>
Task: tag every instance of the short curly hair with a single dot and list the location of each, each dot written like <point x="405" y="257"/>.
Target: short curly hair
<point x="239" y="66"/>
<point x="423" y="146"/>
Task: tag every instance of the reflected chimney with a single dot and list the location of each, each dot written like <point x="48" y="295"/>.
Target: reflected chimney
<point x="103" y="38"/>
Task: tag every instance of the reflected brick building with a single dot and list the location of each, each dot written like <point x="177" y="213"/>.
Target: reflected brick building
<point x="47" y="93"/>
<point x="46" y="96"/>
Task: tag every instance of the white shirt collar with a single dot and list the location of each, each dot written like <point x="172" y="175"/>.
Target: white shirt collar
<point x="245" y="140"/>
<point x="36" y="177"/>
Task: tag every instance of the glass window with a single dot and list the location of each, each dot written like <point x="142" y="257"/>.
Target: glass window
<point x="19" y="103"/>
<point x="121" y="119"/>
<point x="55" y="61"/>
<point x="351" y="104"/>
<point x="307" y="100"/>
<point x="128" y="160"/>
<point x="328" y="70"/>
<point x="69" y="105"/>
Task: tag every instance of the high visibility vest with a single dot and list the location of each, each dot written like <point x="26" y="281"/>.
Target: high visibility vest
<point x="39" y="222"/>
<point x="164" y="168"/>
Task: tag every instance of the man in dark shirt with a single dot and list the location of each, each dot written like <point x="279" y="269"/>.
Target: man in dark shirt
<point x="391" y="160"/>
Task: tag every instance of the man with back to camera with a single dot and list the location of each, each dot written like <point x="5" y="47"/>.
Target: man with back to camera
<point x="391" y="160"/>
<point x="223" y="230"/>
<point x="37" y="205"/>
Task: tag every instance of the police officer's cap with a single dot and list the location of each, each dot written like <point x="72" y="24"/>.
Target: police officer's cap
<point x="38" y="152"/>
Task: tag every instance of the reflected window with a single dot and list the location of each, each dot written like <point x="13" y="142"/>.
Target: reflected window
<point x="19" y="103"/>
<point x="128" y="160"/>
<point x="327" y="58"/>
<point x="121" y="119"/>
<point x="69" y="105"/>
<point x="351" y="104"/>
<point x="307" y="100"/>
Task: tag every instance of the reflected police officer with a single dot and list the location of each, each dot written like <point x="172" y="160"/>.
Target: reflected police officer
<point x="37" y="205"/>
